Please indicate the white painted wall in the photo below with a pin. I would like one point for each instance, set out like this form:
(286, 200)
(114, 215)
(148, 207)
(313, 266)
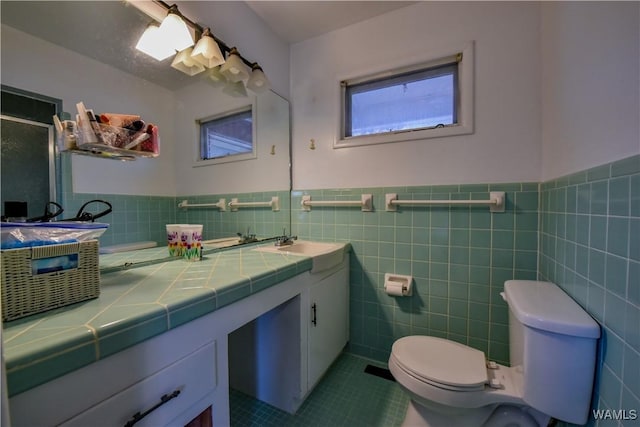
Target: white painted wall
(38, 66)
(590, 84)
(506, 143)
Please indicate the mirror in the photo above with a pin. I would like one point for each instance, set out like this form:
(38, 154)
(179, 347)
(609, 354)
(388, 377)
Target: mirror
(28, 152)
(84, 51)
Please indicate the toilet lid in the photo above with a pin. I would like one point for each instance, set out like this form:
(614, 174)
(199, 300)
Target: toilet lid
(441, 361)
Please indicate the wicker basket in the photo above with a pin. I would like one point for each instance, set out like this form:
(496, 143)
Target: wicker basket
(41, 278)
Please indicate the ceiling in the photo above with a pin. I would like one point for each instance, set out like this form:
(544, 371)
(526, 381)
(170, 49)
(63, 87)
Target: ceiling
(87, 27)
(295, 21)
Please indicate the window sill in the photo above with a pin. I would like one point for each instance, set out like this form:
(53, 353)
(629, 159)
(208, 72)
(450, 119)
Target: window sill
(357, 141)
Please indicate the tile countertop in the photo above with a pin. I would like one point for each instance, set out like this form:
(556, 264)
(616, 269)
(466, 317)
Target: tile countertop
(135, 305)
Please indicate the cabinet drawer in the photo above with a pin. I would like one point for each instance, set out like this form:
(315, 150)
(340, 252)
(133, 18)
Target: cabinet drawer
(193, 376)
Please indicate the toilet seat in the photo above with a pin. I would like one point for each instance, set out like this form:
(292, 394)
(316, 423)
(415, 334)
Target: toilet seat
(442, 363)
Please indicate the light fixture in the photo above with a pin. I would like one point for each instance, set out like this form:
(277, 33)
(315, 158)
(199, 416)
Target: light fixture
(184, 62)
(258, 82)
(174, 31)
(207, 52)
(175, 34)
(153, 45)
(215, 78)
(234, 69)
(235, 89)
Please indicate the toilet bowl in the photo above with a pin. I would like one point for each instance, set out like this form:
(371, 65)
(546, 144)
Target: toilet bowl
(552, 345)
(450, 385)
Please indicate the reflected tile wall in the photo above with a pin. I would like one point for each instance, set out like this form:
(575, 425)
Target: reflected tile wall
(459, 258)
(261, 221)
(143, 218)
(138, 218)
(133, 218)
(590, 246)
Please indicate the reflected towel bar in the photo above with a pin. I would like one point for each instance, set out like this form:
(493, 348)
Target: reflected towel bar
(365, 203)
(220, 204)
(496, 202)
(274, 204)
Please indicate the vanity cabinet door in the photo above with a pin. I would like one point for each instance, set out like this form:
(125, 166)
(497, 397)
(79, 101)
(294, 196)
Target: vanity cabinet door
(328, 321)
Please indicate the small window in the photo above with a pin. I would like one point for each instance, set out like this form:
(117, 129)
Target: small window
(228, 137)
(421, 101)
(416, 100)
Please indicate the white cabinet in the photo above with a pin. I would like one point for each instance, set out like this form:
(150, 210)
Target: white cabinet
(280, 340)
(110, 391)
(156, 400)
(328, 323)
(280, 356)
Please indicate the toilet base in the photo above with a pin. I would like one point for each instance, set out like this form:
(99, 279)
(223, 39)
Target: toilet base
(421, 416)
(488, 416)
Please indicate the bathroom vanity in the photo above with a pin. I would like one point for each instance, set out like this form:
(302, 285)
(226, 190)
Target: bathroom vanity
(164, 342)
(263, 359)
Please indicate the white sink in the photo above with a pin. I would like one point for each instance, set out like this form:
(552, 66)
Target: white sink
(324, 255)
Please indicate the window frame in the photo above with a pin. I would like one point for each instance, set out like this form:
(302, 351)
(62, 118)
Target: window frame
(463, 108)
(199, 161)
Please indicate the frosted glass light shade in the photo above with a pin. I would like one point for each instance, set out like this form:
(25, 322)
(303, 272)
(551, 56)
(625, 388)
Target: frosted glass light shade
(207, 52)
(215, 78)
(175, 32)
(236, 89)
(185, 63)
(153, 44)
(234, 69)
(258, 82)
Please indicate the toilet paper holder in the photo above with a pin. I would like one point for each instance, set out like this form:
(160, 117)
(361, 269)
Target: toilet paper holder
(398, 284)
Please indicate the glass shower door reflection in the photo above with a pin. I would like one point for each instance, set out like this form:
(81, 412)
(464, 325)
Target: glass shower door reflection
(27, 164)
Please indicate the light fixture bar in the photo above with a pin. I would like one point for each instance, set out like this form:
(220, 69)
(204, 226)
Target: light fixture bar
(199, 30)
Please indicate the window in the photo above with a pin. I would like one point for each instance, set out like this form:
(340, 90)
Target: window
(227, 137)
(415, 100)
(427, 100)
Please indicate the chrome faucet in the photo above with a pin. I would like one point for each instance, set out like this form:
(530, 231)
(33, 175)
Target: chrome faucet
(247, 238)
(285, 240)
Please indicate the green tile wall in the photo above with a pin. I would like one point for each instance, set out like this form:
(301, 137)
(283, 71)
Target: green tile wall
(142, 218)
(590, 246)
(459, 258)
(263, 221)
(133, 219)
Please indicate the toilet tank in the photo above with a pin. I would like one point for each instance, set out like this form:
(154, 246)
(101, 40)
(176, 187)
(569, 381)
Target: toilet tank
(553, 342)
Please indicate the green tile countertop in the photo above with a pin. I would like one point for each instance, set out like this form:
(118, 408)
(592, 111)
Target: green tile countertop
(134, 305)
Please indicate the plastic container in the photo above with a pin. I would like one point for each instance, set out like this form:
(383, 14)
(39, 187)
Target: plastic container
(185, 240)
(26, 234)
(191, 240)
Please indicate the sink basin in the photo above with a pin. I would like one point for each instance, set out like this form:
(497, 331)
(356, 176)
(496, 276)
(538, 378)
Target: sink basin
(324, 255)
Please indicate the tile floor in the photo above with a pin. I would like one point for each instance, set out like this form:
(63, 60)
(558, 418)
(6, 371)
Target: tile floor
(346, 396)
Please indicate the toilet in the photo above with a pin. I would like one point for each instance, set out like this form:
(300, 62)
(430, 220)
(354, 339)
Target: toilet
(552, 344)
